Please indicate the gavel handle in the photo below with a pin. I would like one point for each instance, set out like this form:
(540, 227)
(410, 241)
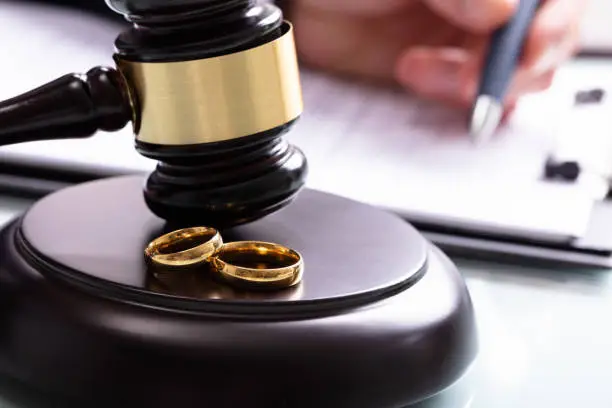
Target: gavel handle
(72, 106)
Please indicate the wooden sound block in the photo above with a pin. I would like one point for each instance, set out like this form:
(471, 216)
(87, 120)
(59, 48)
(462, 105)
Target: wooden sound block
(381, 319)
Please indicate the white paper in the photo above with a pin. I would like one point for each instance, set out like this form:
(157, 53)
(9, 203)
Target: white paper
(397, 152)
(379, 146)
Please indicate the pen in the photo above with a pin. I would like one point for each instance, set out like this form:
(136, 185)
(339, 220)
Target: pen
(503, 57)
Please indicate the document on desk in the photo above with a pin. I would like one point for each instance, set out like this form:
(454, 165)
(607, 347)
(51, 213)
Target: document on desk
(379, 146)
(398, 152)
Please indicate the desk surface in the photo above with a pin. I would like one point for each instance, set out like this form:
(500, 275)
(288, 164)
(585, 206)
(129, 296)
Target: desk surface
(545, 338)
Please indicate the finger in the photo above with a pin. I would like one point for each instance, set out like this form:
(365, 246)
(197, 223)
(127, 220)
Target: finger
(368, 8)
(443, 74)
(555, 34)
(475, 15)
(451, 76)
(527, 82)
(509, 110)
(356, 47)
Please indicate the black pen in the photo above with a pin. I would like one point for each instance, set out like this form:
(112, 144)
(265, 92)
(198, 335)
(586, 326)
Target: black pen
(504, 54)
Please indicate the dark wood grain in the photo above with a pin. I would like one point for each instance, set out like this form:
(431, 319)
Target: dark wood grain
(219, 184)
(225, 184)
(382, 318)
(320, 226)
(73, 106)
(192, 29)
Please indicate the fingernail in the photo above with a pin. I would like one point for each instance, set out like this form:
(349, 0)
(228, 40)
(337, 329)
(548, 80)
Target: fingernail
(431, 72)
(442, 78)
(489, 14)
(553, 55)
(469, 89)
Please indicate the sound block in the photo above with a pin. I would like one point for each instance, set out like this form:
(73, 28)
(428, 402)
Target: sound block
(381, 319)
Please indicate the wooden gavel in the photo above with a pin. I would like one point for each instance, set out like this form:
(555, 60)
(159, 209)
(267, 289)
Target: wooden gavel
(209, 86)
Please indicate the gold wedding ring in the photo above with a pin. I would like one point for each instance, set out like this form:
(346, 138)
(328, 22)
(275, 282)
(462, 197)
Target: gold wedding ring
(243, 264)
(258, 265)
(184, 248)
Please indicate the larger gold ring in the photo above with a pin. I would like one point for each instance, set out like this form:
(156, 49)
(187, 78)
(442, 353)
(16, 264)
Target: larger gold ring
(184, 248)
(258, 265)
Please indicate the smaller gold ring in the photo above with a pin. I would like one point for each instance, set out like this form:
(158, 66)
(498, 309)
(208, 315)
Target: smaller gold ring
(184, 248)
(258, 265)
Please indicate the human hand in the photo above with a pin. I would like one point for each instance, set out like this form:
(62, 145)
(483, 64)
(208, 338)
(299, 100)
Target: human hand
(434, 48)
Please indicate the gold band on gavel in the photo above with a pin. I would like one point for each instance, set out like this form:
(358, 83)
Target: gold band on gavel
(218, 98)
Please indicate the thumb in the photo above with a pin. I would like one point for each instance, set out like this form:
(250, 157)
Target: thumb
(474, 15)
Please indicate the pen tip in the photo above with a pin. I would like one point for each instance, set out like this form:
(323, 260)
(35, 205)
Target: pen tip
(486, 116)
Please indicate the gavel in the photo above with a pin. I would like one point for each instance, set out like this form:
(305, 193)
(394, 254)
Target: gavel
(210, 88)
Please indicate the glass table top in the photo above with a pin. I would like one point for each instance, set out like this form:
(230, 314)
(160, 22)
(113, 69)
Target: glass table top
(545, 338)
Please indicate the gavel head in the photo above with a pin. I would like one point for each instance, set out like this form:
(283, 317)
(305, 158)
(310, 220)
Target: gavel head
(213, 86)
